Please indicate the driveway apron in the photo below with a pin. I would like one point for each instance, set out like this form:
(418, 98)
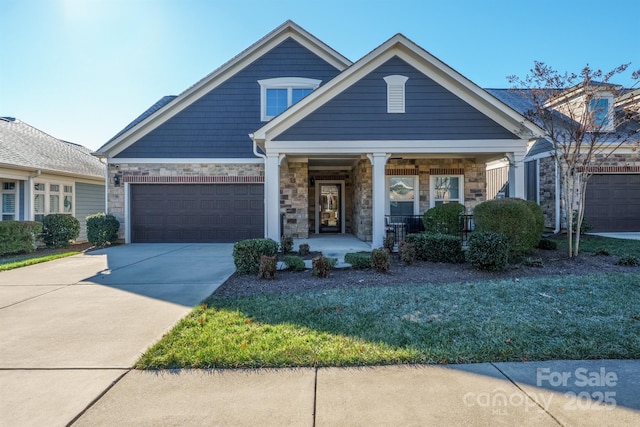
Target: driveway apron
(70, 328)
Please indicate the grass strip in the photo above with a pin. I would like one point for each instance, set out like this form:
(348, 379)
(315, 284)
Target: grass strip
(567, 317)
(10, 265)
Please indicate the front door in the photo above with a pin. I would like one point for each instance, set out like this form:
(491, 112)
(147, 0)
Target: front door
(330, 209)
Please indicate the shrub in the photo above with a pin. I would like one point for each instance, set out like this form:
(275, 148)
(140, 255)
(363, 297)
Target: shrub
(59, 229)
(268, 266)
(286, 245)
(321, 266)
(102, 229)
(407, 252)
(547, 245)
(488, 250)
(602, 252)
(443, 219)
(389, 242)
(628, 261)
(380, 260)
(513, 218)
(19, 236)
(532, 262)
(294, 263)
(247, 253)
(358, 260)
(437, 247)
(303, 249)
(538, 217)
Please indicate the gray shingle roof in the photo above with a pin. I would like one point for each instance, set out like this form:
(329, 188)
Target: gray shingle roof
(25, 146)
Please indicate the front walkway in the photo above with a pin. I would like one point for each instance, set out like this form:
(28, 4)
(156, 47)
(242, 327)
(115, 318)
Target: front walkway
(628, 236)
(334, 245)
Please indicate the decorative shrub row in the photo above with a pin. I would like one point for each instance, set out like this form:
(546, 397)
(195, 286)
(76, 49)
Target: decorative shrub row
(59, 229)
(19, 236)
(102, 229)
(519, 220)
(437, 247)
(487, 250)
(380, 260)
(294, 263)
(358, 260)
(247, 253)
(443, 219)
(407, 252)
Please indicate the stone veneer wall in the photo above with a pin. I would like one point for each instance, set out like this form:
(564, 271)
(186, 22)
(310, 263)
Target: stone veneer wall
(294, 195)
(177, 170)
(362, 200)
(548, 190)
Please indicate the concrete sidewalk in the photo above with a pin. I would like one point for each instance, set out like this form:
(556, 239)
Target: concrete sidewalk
(551, 393)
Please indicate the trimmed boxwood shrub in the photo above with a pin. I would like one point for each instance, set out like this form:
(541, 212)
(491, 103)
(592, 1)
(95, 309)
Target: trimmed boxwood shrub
(437, 247)
(515, 219)
(59, 229)
(547, 245)
(358, 260)
(102, 229)
(247, 253)
(19, 236)
(294, 263)
(268, 266)
(487, 250)
(443, 219)
(407, 252)
(321, 266)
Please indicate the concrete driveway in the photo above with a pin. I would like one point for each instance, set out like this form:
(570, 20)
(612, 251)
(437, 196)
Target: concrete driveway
(72, 327)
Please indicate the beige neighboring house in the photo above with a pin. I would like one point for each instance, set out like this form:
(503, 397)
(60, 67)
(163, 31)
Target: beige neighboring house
(40, 175)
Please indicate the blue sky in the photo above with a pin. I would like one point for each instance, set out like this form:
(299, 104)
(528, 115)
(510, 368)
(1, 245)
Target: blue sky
(81, 70)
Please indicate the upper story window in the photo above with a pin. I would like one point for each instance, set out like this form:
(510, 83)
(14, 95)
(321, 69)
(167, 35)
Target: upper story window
(395, 93)
(601, 112)
(276, 95)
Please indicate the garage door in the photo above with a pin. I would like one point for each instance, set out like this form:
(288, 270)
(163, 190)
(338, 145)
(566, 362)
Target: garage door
(196, 213)
(613, 202)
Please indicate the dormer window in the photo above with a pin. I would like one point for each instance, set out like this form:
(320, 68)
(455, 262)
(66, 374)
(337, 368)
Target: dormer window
(601, 111)
(276, 95)
(395, 93)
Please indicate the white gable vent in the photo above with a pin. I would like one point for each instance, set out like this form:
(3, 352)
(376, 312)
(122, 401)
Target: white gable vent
(395, 93)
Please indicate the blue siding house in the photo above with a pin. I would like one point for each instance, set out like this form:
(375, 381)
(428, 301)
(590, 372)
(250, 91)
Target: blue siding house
(290, 138)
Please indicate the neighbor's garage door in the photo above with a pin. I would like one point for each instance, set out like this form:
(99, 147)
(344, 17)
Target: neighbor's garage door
(613, 202)
(196, 213)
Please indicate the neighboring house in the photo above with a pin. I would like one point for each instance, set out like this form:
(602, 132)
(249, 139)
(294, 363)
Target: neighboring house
(40, 174)
(291, 138)
(612, 201)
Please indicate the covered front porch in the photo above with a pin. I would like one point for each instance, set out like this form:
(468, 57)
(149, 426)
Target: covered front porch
(320, 195)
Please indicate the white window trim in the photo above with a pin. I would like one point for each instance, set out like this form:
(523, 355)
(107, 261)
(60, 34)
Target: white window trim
(15, 214)
(47, 199)
(416, 193)
(396, 93)
(610, 117)
(288, 83)
(432, 189)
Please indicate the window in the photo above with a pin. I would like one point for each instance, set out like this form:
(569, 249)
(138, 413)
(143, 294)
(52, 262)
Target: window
(446, 189)
(403, 197)
(276, 95)
(8, 201)
(395, 93)
(49, 198)
(601, 115)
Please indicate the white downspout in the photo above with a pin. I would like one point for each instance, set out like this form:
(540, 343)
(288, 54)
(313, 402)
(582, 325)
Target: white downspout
(264, 162)
(557, 179)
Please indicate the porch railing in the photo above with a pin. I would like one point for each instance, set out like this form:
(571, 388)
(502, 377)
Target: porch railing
(401, 225)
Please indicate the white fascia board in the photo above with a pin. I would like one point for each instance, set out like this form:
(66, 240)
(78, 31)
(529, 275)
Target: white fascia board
(311, 148)
(222, 74)
(423, 61)
(25, 171)
(118, 160)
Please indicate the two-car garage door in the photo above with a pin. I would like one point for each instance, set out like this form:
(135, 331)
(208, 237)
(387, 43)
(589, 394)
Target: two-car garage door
(196, 213)
(613, 202)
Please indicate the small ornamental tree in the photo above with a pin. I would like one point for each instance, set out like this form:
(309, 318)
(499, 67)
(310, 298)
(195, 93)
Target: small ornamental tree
(575, 112)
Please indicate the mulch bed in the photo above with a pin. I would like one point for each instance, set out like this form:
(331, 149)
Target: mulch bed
(555, 263)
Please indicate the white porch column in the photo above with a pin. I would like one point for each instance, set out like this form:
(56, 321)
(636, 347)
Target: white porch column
(378, 161)
(272, 196)
(516, 175)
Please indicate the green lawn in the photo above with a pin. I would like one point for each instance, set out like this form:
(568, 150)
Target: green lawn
(25, 260)
(619, 247)
(568, 317)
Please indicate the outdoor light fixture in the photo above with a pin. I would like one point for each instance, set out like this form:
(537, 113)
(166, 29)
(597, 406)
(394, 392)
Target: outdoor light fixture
(116, 180)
